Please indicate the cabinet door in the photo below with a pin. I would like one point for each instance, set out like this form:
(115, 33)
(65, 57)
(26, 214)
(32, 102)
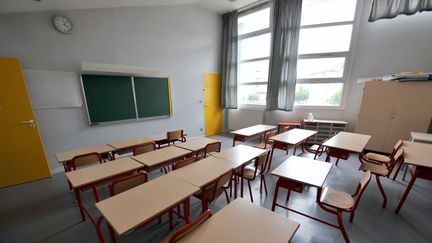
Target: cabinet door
(412, 112)
(374, 115)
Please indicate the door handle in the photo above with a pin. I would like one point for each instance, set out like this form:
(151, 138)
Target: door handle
(30, 122)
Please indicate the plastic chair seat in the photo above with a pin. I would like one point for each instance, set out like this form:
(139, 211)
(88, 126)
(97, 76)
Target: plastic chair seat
(314, 147)
(378, 157)
(307, 155)
(262, 145)
(336, 199)
(249, 172)
(374, 168)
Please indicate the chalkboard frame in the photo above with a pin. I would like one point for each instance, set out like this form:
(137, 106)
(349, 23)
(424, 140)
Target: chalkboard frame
(137, 118)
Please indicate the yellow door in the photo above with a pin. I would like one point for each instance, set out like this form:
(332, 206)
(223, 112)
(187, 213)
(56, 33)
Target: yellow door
(212, 103)
(22, 157)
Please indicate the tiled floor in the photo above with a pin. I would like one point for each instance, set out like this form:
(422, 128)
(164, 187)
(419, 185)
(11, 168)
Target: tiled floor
(45, 211)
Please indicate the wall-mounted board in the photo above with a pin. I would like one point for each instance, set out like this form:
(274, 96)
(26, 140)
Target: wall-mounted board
(112, 98)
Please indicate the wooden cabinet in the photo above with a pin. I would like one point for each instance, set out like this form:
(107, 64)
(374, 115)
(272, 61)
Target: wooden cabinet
(324, 128)
(391, 110)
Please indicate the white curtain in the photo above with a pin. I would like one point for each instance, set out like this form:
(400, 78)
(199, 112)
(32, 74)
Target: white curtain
(387, 9)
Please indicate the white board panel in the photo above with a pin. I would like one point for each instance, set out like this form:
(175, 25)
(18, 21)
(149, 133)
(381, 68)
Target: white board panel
(53, 89)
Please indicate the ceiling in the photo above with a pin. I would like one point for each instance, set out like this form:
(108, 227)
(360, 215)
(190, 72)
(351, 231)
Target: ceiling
(17, 6)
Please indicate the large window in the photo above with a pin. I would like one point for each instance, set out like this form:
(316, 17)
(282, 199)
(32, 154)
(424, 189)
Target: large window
(253, 56)
(324, 48)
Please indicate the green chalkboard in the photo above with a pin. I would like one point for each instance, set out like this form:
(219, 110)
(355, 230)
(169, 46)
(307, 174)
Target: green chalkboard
(108, 98)
(152, 96)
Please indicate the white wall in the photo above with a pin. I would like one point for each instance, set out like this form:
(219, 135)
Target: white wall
(181, 42)
(382, 47)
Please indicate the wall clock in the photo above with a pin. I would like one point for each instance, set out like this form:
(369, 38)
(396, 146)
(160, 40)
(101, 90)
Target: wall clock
(63, 24)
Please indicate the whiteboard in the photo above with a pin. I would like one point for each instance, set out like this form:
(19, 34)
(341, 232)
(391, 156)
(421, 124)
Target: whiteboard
(53, 89)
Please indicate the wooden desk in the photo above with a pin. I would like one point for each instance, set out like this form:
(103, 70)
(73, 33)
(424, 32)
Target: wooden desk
(130, 143)
(294, 173)
(419, 155)
(196, 145)
(242, 221)
(242, 134)
(288, 139)
(96, 174)
(160, 157)
(421, 137)
(342, 144)
(67, 156)
(203, 173)
(143, 203)
(291, 125)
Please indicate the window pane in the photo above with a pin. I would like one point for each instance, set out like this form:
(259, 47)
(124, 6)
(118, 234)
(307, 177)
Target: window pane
(320, 68)
(325, 94)
(254, 47)
(327, 11)
(252, 94)
(325, 39)
(254, 21)
(254, 71)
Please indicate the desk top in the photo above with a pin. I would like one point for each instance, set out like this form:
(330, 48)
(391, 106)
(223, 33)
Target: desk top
(242, 221)
(94, 173)
(240, 154)
(419, 154)
(64, 157)
(160, 156)
(196, 144)
(304, 170)
(127, 143)
(140, 204)
(203, 171)
(293, 136)
(352, 142)
(421, 137)
(253, 130)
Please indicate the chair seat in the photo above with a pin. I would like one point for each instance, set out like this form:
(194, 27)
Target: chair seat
(263, 145)
(248, 172)
(336, 199)
(374, 168)
(314, 147)
(378, 157)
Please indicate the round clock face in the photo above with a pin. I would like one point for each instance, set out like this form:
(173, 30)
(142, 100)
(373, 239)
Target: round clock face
(63, 24)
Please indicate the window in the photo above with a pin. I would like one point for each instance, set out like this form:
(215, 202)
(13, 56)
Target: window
(324, 48)
(253, 56)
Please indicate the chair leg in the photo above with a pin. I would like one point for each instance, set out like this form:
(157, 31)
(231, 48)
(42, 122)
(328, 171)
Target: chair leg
(170, 219)
(276, 192)
(264, 182)
(227, 198)
(250, 190)
(398, 169)
(341, 226)
(337, 161)
(381, 190)
(352, 216)
(241, 189)
(295, 148)
(288, 195)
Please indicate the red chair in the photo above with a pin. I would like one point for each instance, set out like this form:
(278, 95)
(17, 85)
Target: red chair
(337, 202)
(383, 170)
(183, 231)
(184, 162)
(211, 148)
(267, 141)
(249, 173)
(84, 160)
(212, 191)
(174, 136)
(144, 148)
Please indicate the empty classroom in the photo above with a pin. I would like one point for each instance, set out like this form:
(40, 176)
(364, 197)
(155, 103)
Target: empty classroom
(230, 121)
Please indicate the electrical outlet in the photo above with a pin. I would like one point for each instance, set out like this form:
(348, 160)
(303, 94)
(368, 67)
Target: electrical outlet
(201, 129)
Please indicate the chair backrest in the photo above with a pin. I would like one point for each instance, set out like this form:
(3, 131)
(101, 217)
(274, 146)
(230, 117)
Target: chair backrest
(219, 183)
(190, 227)
(271, 134)
(174, 135)
(144, 148)
(364, 181)
(212, 147)
(127, 182)
(396, 147)
(398, 155)
(261, 160)
(285, 128)
(184, 162)
(85, 159)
